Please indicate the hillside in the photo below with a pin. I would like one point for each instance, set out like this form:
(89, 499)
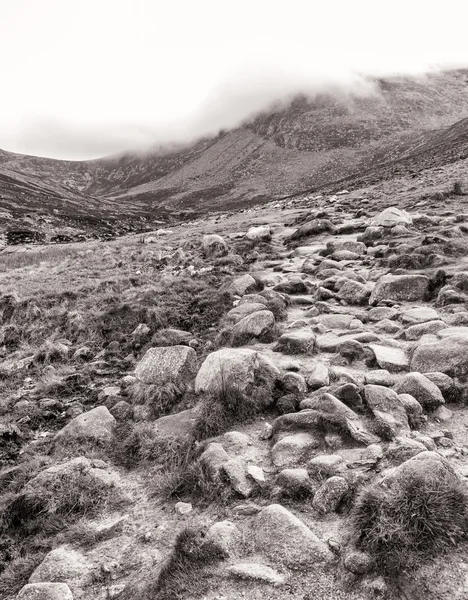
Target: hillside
(401, 125)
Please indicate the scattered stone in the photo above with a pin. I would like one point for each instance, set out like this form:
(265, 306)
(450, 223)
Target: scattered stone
(225, 537)
(359, 562)
(242, 285)
(398, 288)
(214, 245)
(242, 310)
(97, 424)
(301, 341)
(294, 383)
(329, 495)
(45, 591)
(62, 565)
(390, 358)
(388, 410)
(294, 482)
(170, 364)
(293, 450)
(256, 572)
(237, 367)
(183, 508)
(421, 388)
(261, 233)
(326, 465)
(257, 324)
(380, 377)
(449, 356)
(281, 536)
(354, 292)
(390, 217)
(316, 375)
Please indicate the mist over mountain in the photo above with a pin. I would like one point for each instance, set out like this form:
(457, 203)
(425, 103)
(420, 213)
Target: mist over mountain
(370, 127)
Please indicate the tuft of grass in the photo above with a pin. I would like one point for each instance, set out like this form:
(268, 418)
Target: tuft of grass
(159, 399)
(406, 523)
(218, 412)
(183, 572)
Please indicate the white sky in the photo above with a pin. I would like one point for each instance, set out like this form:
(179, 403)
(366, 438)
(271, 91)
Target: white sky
(85, 78)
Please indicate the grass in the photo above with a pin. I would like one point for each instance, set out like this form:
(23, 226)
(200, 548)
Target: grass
(182, 573)
(408, 522)
(34, 514)
(160, 399)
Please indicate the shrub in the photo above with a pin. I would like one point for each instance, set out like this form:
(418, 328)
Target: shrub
(159, 399)
(420, 514)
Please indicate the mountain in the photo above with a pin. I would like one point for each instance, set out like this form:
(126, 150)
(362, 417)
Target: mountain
(399, 125)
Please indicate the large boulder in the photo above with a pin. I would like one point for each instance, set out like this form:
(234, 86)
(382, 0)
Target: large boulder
(388, 410)
(390, 217)
(45, 591)
(214, 245)
(299, 341)
(448, 355)
(353, 292)
(262, 233)
(400, 288)
(63, 564)
(421, 388)
(243, 310)
(242, 285)
(255, 325)
(285, 539)
(175, 364)
(329, 495)
(96, 425)
(390, 358)
(241, 368)
(294, 450)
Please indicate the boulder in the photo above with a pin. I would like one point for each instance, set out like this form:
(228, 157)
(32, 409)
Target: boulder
(256, 572)
(63, 564)
(421, 388)
(390, 358)
(259, 234)
(294, 450)
(45, 591)
(419, 314)
(225, 537)
(316, 374)
(96, 424)
(353, 292)
(284, 538)
(170, 364)
(326, 465)
(257, 324)
(294, 482)
(178, 426)
(449, 356)
(214, 245)
(400, 288)
(243, 310)
(240, 368)
(242, 285)
(301, 341)
(329, 495)
(429, 327)
(390, 217)
(389, 412)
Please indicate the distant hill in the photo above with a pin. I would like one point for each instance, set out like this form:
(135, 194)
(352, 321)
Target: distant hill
(406, 124)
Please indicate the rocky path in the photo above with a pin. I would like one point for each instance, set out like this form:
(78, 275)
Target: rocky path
(363, 328)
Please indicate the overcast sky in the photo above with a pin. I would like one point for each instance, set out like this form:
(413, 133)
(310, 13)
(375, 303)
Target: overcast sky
(86, 78)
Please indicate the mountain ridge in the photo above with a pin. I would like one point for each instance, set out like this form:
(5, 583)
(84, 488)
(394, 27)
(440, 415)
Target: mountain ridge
(308, 144)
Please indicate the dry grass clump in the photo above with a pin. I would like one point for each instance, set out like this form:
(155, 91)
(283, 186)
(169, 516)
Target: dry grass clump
(33, 515)
(182, 574)
(159, 399)
(403, 524)
(218, 412)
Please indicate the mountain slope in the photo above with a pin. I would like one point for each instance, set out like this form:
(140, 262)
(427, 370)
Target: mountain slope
(401, 124)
